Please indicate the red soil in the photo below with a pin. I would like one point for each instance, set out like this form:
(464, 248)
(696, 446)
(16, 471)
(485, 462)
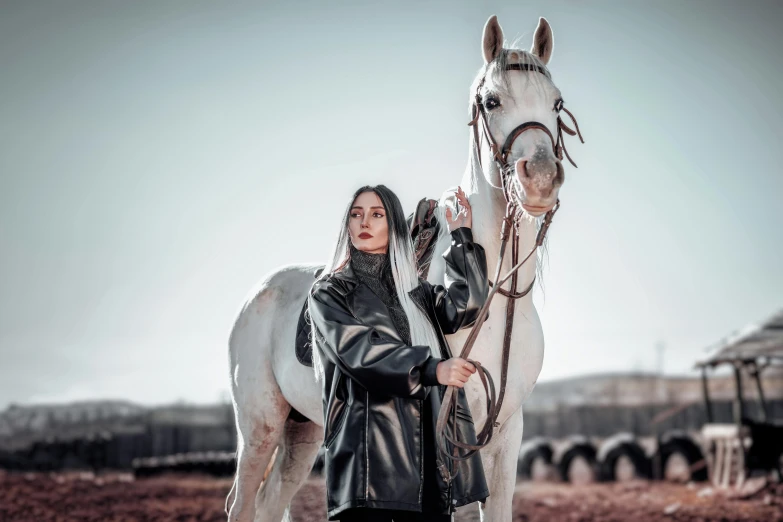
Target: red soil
(83, 497)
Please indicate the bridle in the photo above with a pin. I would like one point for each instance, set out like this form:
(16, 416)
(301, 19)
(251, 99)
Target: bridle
(511, 220)
(501, 155)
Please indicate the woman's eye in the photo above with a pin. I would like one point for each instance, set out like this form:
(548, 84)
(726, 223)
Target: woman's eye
(491, 103)
(378, 214)
(355, 215)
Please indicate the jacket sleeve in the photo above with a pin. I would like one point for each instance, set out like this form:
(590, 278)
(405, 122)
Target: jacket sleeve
(457, 304)
(385, 367)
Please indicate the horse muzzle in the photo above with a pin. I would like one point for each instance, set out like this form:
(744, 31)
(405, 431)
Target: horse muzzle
(540, 178)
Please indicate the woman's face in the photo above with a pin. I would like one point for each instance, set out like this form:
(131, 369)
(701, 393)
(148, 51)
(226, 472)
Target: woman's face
(367, 224)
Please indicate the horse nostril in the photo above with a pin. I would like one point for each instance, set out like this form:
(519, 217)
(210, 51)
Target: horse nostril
(559, 175)
(521, 167)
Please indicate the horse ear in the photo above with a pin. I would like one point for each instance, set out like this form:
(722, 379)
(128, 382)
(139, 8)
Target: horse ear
(543, 41)
(493, 39)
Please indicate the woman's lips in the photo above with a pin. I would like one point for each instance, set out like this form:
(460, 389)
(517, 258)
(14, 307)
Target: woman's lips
(365, 235)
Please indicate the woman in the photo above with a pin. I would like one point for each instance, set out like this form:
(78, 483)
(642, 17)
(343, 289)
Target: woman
(379, 348)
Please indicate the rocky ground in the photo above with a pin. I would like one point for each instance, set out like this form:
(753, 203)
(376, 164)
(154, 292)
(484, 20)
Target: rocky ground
(85, 497)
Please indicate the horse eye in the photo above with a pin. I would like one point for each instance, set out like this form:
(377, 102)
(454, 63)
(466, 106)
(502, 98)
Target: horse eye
(558, 105)
(491, 103)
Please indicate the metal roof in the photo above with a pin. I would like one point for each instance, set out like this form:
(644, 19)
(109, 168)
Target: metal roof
(755, 341)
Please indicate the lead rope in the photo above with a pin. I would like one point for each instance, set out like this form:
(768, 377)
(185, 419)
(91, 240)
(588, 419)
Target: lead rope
(449, 401)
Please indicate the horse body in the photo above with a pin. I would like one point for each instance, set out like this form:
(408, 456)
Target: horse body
(267, 379)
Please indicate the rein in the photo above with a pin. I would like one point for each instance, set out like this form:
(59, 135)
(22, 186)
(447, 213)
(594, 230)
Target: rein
(511, 220)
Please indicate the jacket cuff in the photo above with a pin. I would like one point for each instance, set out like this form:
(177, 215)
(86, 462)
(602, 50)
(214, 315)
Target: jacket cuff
(429, 376)
(462, 235)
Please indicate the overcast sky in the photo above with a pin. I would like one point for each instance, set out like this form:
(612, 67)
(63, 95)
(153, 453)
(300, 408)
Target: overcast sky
(157, 159)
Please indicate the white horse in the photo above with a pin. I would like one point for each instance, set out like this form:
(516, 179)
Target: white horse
(267, 380)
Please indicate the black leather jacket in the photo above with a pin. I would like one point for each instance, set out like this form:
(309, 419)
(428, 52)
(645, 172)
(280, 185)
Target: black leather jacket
(375, 384)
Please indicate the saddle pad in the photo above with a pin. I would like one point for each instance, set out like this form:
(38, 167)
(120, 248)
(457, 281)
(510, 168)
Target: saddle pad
(423, 227)
(304, 350)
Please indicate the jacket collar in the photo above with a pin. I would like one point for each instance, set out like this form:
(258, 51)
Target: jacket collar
(375, 312)
(349, 274)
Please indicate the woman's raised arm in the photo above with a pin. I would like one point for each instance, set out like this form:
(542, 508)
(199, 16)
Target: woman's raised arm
(466, 285)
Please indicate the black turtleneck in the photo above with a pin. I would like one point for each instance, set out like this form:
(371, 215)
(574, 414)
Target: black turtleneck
(374, 270)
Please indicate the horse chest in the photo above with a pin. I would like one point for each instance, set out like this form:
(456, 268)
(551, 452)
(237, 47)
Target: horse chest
(526, 356)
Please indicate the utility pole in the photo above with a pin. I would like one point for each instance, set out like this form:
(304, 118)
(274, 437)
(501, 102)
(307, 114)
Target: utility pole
(660, 348)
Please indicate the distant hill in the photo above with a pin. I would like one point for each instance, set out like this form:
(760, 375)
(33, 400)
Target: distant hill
(630, 389)
(50, 417)
(20, 425)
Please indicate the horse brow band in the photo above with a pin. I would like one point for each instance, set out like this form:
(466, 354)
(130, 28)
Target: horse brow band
(527, 67)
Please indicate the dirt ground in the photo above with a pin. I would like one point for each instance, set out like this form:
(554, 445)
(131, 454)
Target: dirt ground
(85, 497)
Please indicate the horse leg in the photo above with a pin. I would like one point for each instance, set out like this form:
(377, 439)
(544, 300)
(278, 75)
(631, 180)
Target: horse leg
(233, 492)
(295, 458)
(257, 440)
(500, 465)
(260, 410)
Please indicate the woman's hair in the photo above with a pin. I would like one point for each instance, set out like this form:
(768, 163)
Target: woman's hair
(402, 261)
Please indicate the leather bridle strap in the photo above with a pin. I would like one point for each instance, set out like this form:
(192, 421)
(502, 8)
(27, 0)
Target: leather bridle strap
(528, 125)
(508, 293)
(527, 67)
(449, 402)
(563, 127)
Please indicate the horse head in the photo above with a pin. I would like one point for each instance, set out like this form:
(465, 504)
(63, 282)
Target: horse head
(516, 116)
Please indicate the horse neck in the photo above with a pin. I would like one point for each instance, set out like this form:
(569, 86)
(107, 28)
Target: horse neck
(489, 209)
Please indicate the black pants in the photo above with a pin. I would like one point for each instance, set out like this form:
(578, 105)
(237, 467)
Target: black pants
(389, 515)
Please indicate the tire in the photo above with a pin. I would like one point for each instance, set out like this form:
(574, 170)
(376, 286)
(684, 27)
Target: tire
(630, 449)
(581, 450)
(689, 451)
(529, 453)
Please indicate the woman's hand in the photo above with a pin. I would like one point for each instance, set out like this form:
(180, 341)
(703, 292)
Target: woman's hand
(454, 372)
(463, 217)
